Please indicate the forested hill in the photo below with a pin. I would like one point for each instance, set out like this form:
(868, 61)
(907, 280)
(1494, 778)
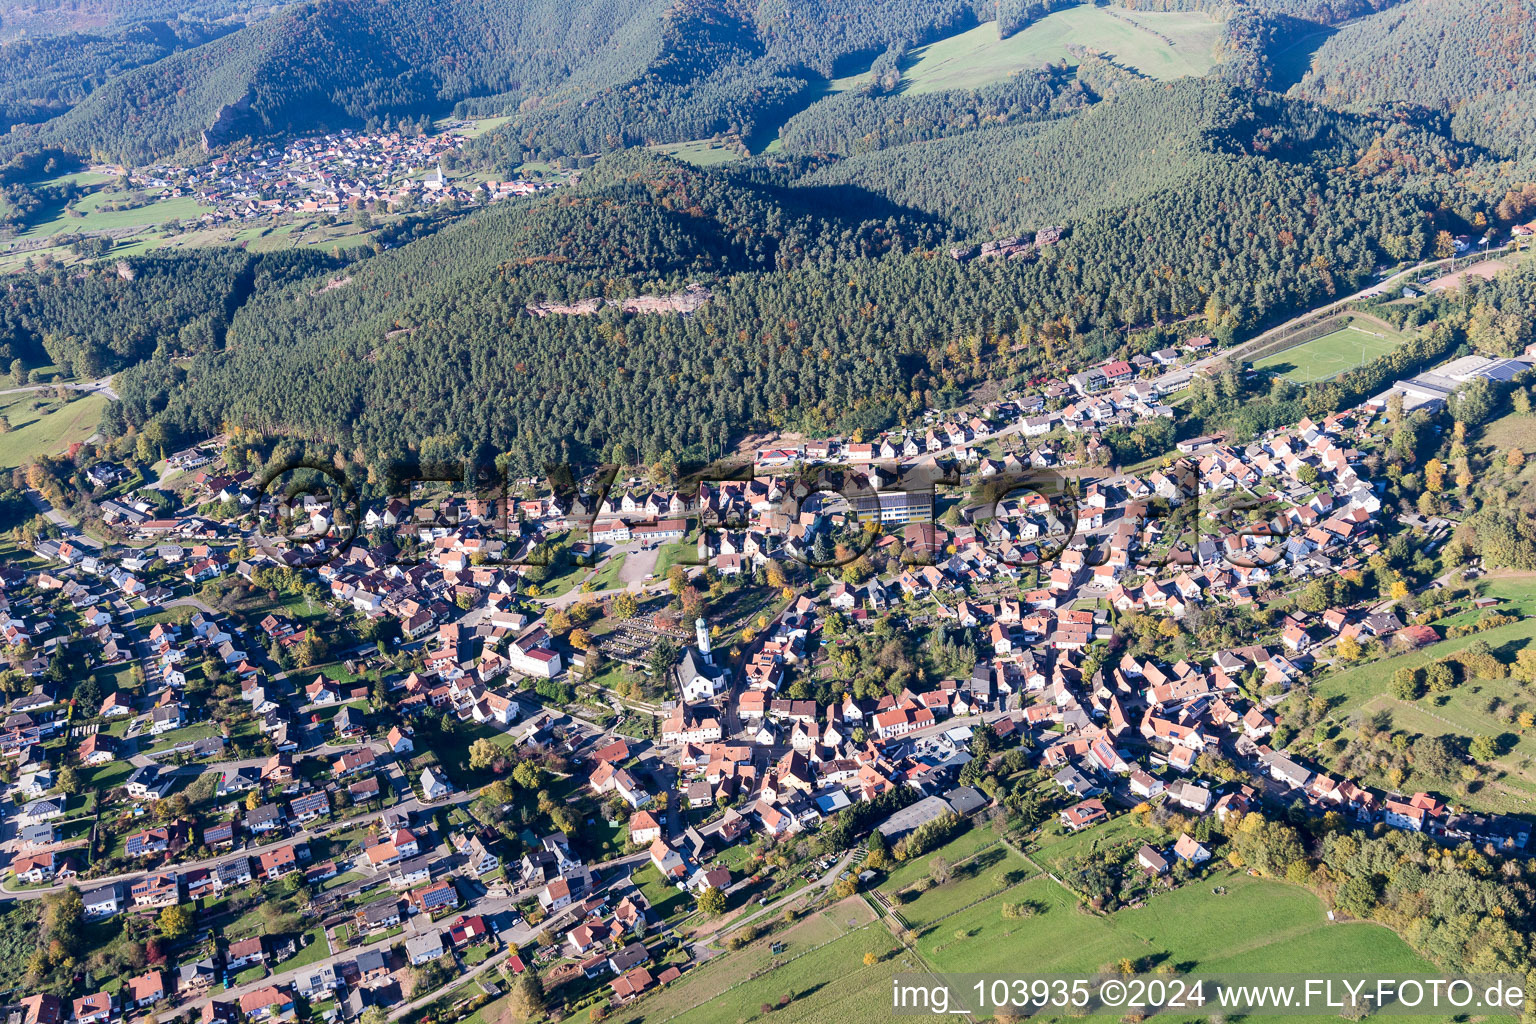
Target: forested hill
(43, 78)
(1152, 138)
(435, 338)
(1475, 58)
(96, 320)
(580, 75)
(1255, 30)
(37, 19)
(637, 222)
(830, 309)
(334, 62)
(1026, 177)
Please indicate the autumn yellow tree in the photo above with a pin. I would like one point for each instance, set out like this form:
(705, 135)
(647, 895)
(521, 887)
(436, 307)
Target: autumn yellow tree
(1348, 650)
(1434, 475)
(623, 606)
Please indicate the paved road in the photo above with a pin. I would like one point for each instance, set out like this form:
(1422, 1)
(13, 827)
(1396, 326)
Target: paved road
(53, 515)
(102, 386)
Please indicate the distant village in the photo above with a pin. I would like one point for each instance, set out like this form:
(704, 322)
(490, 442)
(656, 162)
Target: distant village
(329, 174)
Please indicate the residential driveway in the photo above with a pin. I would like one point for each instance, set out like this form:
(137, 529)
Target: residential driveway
(58, 518)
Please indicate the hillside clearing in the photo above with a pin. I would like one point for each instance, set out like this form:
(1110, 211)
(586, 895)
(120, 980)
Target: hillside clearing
(1162, 45)
(48, 429)
(700, 152)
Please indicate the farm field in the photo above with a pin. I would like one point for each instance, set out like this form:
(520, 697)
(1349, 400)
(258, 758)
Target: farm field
(977, 57)
(822, 957)
(1230, 922)
(93, 218)
(1251, 925)
(1485, 270)
(1327, 357)
(46, 430)
(993, 871)
(1255, 925)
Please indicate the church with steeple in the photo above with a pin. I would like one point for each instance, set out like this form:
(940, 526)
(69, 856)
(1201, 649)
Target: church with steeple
(697, 675)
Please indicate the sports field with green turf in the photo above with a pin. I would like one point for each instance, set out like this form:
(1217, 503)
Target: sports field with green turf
(1327, 357)
(1162, 45)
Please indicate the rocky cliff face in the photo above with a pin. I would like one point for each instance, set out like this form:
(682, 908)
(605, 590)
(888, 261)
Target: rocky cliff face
(228, 124)
(685, 301)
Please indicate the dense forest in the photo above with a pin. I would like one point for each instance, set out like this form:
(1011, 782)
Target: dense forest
(864, 121)
(120, 313)
(833, 307)
(35, 19)
(582, 78)
(1193, 135)
(1476, 58)
(42, 78)
(608, 74)
(335, 62)
(1196, 204)
(575, 79)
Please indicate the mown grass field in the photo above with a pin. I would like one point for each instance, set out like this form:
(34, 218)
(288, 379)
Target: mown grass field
(1327, 357)
(1059, 849)
(469, 128)
(977, 57)
(993, 871)
(1255, 926)
(1352, 688)
(48, 429)
(1511, 431)
(958, 849)
(89, 216)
